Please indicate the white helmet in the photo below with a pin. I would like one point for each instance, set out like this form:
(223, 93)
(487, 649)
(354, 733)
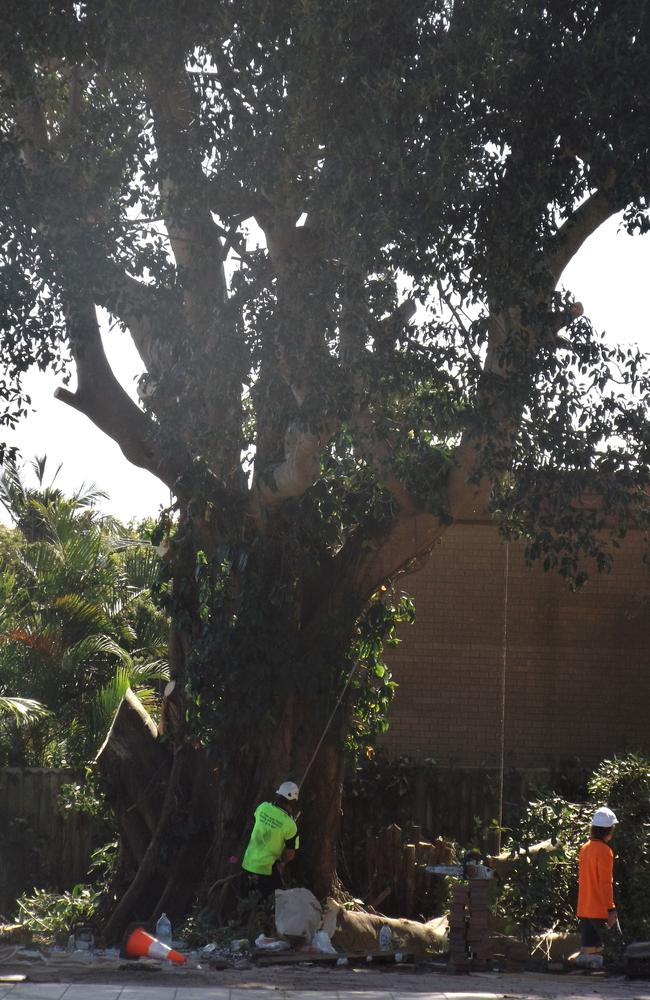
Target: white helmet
(288, 790)
(604, 817)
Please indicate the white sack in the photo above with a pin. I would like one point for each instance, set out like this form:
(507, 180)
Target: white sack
(297, 913)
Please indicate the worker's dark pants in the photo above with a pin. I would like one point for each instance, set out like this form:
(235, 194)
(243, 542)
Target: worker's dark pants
(592, 932)
(264, 885)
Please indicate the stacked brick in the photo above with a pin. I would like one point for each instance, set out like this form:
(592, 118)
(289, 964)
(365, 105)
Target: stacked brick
(459, 913)
(479, 944)
(470, 928)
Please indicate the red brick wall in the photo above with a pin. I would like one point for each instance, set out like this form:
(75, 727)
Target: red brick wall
(577, 665)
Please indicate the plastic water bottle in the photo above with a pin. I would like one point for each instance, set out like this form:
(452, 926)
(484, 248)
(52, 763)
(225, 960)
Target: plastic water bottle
(164, 929)
(385, 938)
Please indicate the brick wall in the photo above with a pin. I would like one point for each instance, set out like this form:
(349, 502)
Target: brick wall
(577, 666)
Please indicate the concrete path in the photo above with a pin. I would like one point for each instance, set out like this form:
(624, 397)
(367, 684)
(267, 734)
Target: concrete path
(488, 986)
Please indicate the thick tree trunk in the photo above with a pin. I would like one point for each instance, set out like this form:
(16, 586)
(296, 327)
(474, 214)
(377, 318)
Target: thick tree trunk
(161, 801)
(322, 795)
(183, 815)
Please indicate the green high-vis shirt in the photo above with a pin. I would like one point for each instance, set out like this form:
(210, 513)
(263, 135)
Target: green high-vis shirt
(273, 828)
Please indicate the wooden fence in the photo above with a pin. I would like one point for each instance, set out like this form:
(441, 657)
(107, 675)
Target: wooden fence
(397, 880)
(40, 843)
(458, 804)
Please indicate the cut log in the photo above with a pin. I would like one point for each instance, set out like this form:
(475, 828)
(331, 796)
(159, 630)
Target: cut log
(505, 863)
(355, 931)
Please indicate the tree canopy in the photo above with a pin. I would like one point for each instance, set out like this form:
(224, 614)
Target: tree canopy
(317, 429)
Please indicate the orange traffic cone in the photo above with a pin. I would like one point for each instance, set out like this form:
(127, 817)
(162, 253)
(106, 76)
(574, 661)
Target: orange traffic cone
(140, 944)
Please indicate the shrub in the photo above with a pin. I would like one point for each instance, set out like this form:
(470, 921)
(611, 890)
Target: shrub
(541, 894)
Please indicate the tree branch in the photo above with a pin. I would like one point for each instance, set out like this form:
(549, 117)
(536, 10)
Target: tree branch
(186, 194)
(578, 227)
(101, 398)
(30, 121)
(296, 473)
(379, 453)
(372, 557)
(142, 309)
(210, 341)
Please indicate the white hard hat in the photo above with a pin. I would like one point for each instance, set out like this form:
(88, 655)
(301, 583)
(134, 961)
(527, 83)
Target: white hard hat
(604, 817)
(288, 790)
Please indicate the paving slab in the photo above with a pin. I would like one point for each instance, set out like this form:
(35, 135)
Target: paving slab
(38, 991)
(345, 984)
(419, 996)
(79, 991)
(202, 993)
(145, 993)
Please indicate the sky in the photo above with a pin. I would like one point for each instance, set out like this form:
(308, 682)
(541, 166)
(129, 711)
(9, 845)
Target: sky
(610, 276)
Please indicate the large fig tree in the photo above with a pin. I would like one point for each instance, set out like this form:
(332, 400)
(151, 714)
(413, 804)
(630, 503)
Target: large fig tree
(261, 192)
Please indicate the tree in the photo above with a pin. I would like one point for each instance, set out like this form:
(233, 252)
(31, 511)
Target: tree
(317, 442)
(77, 623)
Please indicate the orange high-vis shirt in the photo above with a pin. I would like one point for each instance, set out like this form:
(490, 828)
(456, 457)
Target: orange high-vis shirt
(596, 880)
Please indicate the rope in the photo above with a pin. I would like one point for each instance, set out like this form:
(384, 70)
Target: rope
(504, 664)
(328, 723)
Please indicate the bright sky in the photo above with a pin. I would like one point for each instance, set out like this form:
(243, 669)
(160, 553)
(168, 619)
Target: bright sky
(610, 276)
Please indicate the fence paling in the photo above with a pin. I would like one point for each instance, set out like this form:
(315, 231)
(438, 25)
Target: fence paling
(40, 846)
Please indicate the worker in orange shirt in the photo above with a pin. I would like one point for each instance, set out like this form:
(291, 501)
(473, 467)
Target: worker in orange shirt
(596, 909)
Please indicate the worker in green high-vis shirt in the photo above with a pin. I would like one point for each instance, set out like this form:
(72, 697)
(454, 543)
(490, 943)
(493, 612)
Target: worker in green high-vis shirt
(273, 842)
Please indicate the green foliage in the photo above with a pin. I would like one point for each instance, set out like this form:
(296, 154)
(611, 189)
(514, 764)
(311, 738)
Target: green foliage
(46, 913)
(253, 916)
(373, 687)
(428, 160)
(77, 625)
(386, 782)
(84, 797)
(542, 893)
(52, 914)
(305, 418)
(624, 784)
(22, 710)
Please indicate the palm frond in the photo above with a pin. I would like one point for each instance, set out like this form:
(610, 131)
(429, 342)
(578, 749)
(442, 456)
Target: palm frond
(96, 645)
(107, 701)
(142, 566)
(42, 560)
(42, 641)
(81, 611)
(38, 464)
(88, 495)
(120, 602)
(150, 670)
(12, 490)
(23, 710)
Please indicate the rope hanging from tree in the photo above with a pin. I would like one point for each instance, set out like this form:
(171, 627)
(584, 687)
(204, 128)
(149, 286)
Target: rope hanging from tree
(502, 702)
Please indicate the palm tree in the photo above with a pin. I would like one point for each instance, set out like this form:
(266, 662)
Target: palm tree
(77, 624)
(22, 709)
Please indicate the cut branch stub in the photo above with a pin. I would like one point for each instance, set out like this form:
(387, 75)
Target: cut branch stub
(136, 767)
(300, 468)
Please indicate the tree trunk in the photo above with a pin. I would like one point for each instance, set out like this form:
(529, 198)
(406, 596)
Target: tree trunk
(184, 814)
(161, 800)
